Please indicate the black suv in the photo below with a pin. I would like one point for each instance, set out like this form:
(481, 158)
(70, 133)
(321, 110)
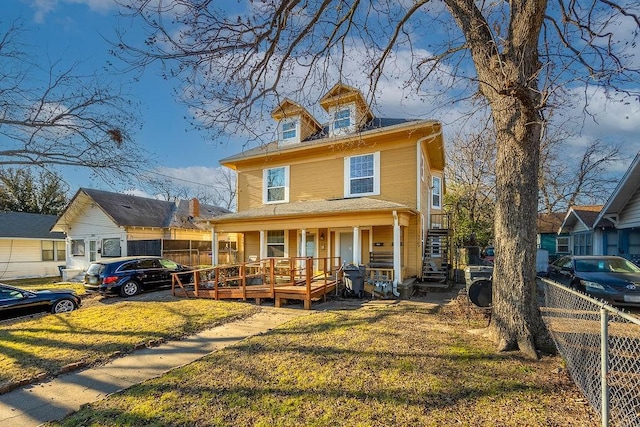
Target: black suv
(128, 276)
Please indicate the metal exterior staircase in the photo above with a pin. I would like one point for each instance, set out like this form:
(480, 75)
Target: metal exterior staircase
(436, 265)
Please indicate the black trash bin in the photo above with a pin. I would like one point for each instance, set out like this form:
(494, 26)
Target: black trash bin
(60, 268)
(353, 280)
(479, 292)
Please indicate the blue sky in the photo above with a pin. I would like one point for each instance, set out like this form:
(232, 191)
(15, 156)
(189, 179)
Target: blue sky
(74, 30)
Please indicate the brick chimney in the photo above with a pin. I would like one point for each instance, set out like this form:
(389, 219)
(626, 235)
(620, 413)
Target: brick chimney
(194, 208)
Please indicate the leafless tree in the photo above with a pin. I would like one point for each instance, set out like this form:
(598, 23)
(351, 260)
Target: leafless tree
(225, 189)
(570, 177)
(514, 56)
(54, 116)
(470, 176)
(219, 190)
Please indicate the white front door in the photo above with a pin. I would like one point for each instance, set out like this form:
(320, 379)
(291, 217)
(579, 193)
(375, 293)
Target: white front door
(346, 247)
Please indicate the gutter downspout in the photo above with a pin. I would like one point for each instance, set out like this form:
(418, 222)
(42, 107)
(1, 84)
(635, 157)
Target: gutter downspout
(396, 254)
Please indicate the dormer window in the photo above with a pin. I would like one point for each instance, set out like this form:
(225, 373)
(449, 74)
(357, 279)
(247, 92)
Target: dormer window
(343, 120)
(289, 131)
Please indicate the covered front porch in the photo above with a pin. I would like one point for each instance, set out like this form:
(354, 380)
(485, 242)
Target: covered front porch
(381, 235)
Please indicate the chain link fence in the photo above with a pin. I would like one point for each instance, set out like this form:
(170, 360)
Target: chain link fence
(601, 347)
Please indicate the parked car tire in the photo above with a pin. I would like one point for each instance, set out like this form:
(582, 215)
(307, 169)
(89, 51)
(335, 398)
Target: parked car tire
(129, 289)
(63, 306)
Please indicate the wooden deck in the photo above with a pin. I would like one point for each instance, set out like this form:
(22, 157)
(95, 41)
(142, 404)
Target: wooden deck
(280, 279)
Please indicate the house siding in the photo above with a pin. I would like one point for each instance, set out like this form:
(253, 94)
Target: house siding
(20, 258)
(630, 216)
(94, 224)
(398, 170)
(322, 177)
(251, 245)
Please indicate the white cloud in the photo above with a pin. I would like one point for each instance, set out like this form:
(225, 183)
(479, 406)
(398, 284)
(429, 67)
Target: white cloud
(43, 7)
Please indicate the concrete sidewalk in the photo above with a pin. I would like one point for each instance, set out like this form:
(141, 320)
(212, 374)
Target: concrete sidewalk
(38, 403)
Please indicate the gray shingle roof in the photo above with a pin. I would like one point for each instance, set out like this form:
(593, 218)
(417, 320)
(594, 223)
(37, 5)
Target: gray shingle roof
(28, 226)
(135, 211)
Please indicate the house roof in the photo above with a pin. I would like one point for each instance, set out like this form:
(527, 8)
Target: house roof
(28, 226)
(623, 192)
(134, 211)
(586, 215)
(549, 223)
(315, 207)
(322, 137)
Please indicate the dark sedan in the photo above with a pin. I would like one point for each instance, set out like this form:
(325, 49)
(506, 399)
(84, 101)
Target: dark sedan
(20, 302)
(610, 278)
(128, 276)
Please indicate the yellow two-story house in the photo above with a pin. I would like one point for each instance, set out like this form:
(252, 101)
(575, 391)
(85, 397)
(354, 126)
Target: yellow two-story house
(362, 188)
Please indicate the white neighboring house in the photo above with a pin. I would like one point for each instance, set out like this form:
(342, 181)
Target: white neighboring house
(101, 224)
(27, 246)
(586, 230)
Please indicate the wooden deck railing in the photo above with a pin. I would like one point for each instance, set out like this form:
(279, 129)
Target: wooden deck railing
(300, 278)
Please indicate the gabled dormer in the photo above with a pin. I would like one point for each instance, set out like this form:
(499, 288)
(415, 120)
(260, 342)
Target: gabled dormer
(295, 123)
(347, 108)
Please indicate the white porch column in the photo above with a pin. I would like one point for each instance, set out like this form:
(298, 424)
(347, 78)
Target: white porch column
(303, 242)
(263, 245)
(396, 250)
(357, 251)
(214, 247)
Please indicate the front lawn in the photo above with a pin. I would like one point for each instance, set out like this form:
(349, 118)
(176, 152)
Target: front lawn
(99, 331)
(383, 365)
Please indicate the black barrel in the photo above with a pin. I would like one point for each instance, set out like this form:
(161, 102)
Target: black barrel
(479, 292)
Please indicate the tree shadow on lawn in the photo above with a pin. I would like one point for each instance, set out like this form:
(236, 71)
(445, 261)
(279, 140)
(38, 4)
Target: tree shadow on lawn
(264, 400)
(50, 349)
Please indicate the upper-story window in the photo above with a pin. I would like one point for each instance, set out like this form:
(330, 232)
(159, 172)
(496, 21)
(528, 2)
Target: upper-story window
(276, 185)
(362, 175)
(436, 192)
(289, 131)
(342, 118)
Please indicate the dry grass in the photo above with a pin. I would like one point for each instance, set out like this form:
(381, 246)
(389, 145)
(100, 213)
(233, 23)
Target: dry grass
(101, 330)
(382, 365)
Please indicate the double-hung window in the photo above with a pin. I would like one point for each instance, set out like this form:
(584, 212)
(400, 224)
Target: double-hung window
(342, 118)
(289, 131)
(562, 245)
(276, 185)
(436, 192)
(275, 243)
(53, 250)
(362, 175)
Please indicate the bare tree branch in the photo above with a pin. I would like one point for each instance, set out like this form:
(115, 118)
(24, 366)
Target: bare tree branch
(63, 119)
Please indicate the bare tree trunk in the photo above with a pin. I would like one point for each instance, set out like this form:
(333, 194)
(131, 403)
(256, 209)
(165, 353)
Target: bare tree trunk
(516, 322)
